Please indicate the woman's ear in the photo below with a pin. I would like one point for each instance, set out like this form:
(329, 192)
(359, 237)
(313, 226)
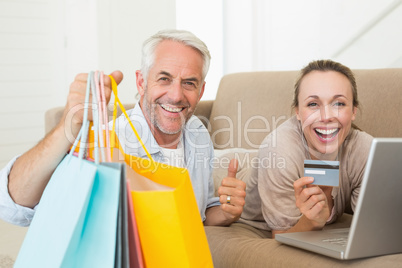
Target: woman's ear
(354, 113)
(297, 113)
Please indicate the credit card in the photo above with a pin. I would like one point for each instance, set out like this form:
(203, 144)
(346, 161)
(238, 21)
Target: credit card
(324, 172)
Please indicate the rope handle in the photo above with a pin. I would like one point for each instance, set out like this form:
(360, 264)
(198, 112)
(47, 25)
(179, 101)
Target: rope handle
(95, 86)
(117, 101)
(83, 134)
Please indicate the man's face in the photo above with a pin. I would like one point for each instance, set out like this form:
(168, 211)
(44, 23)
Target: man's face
(173, 89)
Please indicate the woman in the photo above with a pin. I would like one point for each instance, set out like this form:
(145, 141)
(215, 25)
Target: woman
(279, 198)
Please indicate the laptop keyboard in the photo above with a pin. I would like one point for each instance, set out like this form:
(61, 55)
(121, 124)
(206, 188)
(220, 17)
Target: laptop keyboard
(342, 241)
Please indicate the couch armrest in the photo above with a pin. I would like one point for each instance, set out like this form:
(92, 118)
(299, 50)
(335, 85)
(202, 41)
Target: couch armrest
(203, 111)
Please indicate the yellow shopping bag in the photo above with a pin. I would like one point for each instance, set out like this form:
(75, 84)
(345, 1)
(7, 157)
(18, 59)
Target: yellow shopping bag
(169, 224)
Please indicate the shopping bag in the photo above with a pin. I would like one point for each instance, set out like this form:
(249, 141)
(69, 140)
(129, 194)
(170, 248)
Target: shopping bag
(135, 250)
(64, 231)
(76, 220)
(128, 251)
(169, 224)
(122, 236)
(97, 244)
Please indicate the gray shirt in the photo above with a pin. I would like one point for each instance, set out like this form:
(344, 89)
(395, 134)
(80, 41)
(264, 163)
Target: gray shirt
(270, 201)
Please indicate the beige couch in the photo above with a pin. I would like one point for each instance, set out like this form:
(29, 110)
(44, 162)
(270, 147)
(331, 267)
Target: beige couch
(248, 106)
(251, 105)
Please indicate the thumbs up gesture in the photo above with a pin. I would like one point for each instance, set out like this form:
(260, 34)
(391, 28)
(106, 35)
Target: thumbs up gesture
(232, 193)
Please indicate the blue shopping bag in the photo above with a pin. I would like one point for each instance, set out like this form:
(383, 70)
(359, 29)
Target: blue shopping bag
(76, 220)
(97, 243)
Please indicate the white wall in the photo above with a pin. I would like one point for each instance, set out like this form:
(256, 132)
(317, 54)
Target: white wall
(287, 34)
(204, 19)
(378, 44)
(29, 44)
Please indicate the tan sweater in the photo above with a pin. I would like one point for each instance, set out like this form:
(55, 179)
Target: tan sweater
(270, 200)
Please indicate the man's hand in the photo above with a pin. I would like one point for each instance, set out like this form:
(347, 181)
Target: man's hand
(232, 193)
(74, 111)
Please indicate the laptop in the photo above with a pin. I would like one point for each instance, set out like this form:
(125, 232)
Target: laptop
(376, 224)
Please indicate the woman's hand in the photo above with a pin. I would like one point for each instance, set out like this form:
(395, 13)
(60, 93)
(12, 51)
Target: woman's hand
(312, 202)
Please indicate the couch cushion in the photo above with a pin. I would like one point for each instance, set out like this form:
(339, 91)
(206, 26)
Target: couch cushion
(221, 163)
(248, 106)
(380, 96)
(241, 245)
(6, 261)
(11, 239)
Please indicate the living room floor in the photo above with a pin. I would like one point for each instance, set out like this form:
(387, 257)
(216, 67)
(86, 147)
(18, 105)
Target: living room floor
(11, 238)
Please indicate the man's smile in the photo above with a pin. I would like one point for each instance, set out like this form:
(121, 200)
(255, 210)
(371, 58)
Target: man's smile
(171, 109)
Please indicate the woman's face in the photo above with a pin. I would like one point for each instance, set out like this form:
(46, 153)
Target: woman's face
(325, 111)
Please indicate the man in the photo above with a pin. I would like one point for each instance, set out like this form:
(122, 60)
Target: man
(170, 83)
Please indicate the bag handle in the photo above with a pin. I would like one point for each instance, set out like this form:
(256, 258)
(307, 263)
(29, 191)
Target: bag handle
(95, 117)
(99, 116)
(102, 115)
(83, 134)
(117, 101)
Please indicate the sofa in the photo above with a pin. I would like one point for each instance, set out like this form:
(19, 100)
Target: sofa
(248, 106)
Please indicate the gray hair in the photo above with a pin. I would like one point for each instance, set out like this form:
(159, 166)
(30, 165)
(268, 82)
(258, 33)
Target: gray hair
(185, 37)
